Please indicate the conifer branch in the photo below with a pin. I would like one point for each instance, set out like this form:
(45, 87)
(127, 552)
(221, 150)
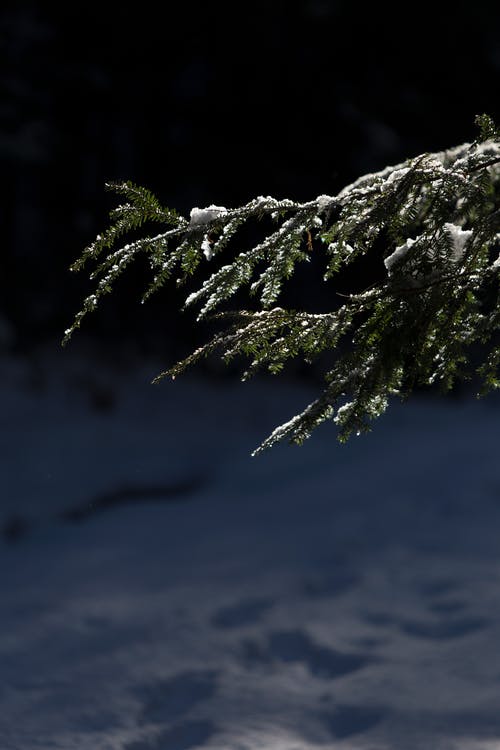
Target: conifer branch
(436, 219)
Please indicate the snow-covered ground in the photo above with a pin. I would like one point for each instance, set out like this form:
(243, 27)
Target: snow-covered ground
(162, 590)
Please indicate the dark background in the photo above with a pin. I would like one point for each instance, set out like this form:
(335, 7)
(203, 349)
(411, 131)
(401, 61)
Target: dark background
(207, 103)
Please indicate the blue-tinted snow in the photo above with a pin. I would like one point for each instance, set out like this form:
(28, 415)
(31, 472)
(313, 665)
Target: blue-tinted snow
(162, 590)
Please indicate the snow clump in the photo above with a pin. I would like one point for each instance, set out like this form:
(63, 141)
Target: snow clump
(200, 216)
(459, 237)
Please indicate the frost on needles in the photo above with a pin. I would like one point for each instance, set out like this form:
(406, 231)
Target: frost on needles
(437, 220)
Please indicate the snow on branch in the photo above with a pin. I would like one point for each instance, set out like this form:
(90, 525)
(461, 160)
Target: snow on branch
(435, 220)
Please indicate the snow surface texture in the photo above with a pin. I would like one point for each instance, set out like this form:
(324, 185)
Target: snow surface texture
(161, 590)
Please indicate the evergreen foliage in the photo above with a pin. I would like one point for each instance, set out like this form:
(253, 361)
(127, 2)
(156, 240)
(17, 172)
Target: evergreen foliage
(436, 218)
